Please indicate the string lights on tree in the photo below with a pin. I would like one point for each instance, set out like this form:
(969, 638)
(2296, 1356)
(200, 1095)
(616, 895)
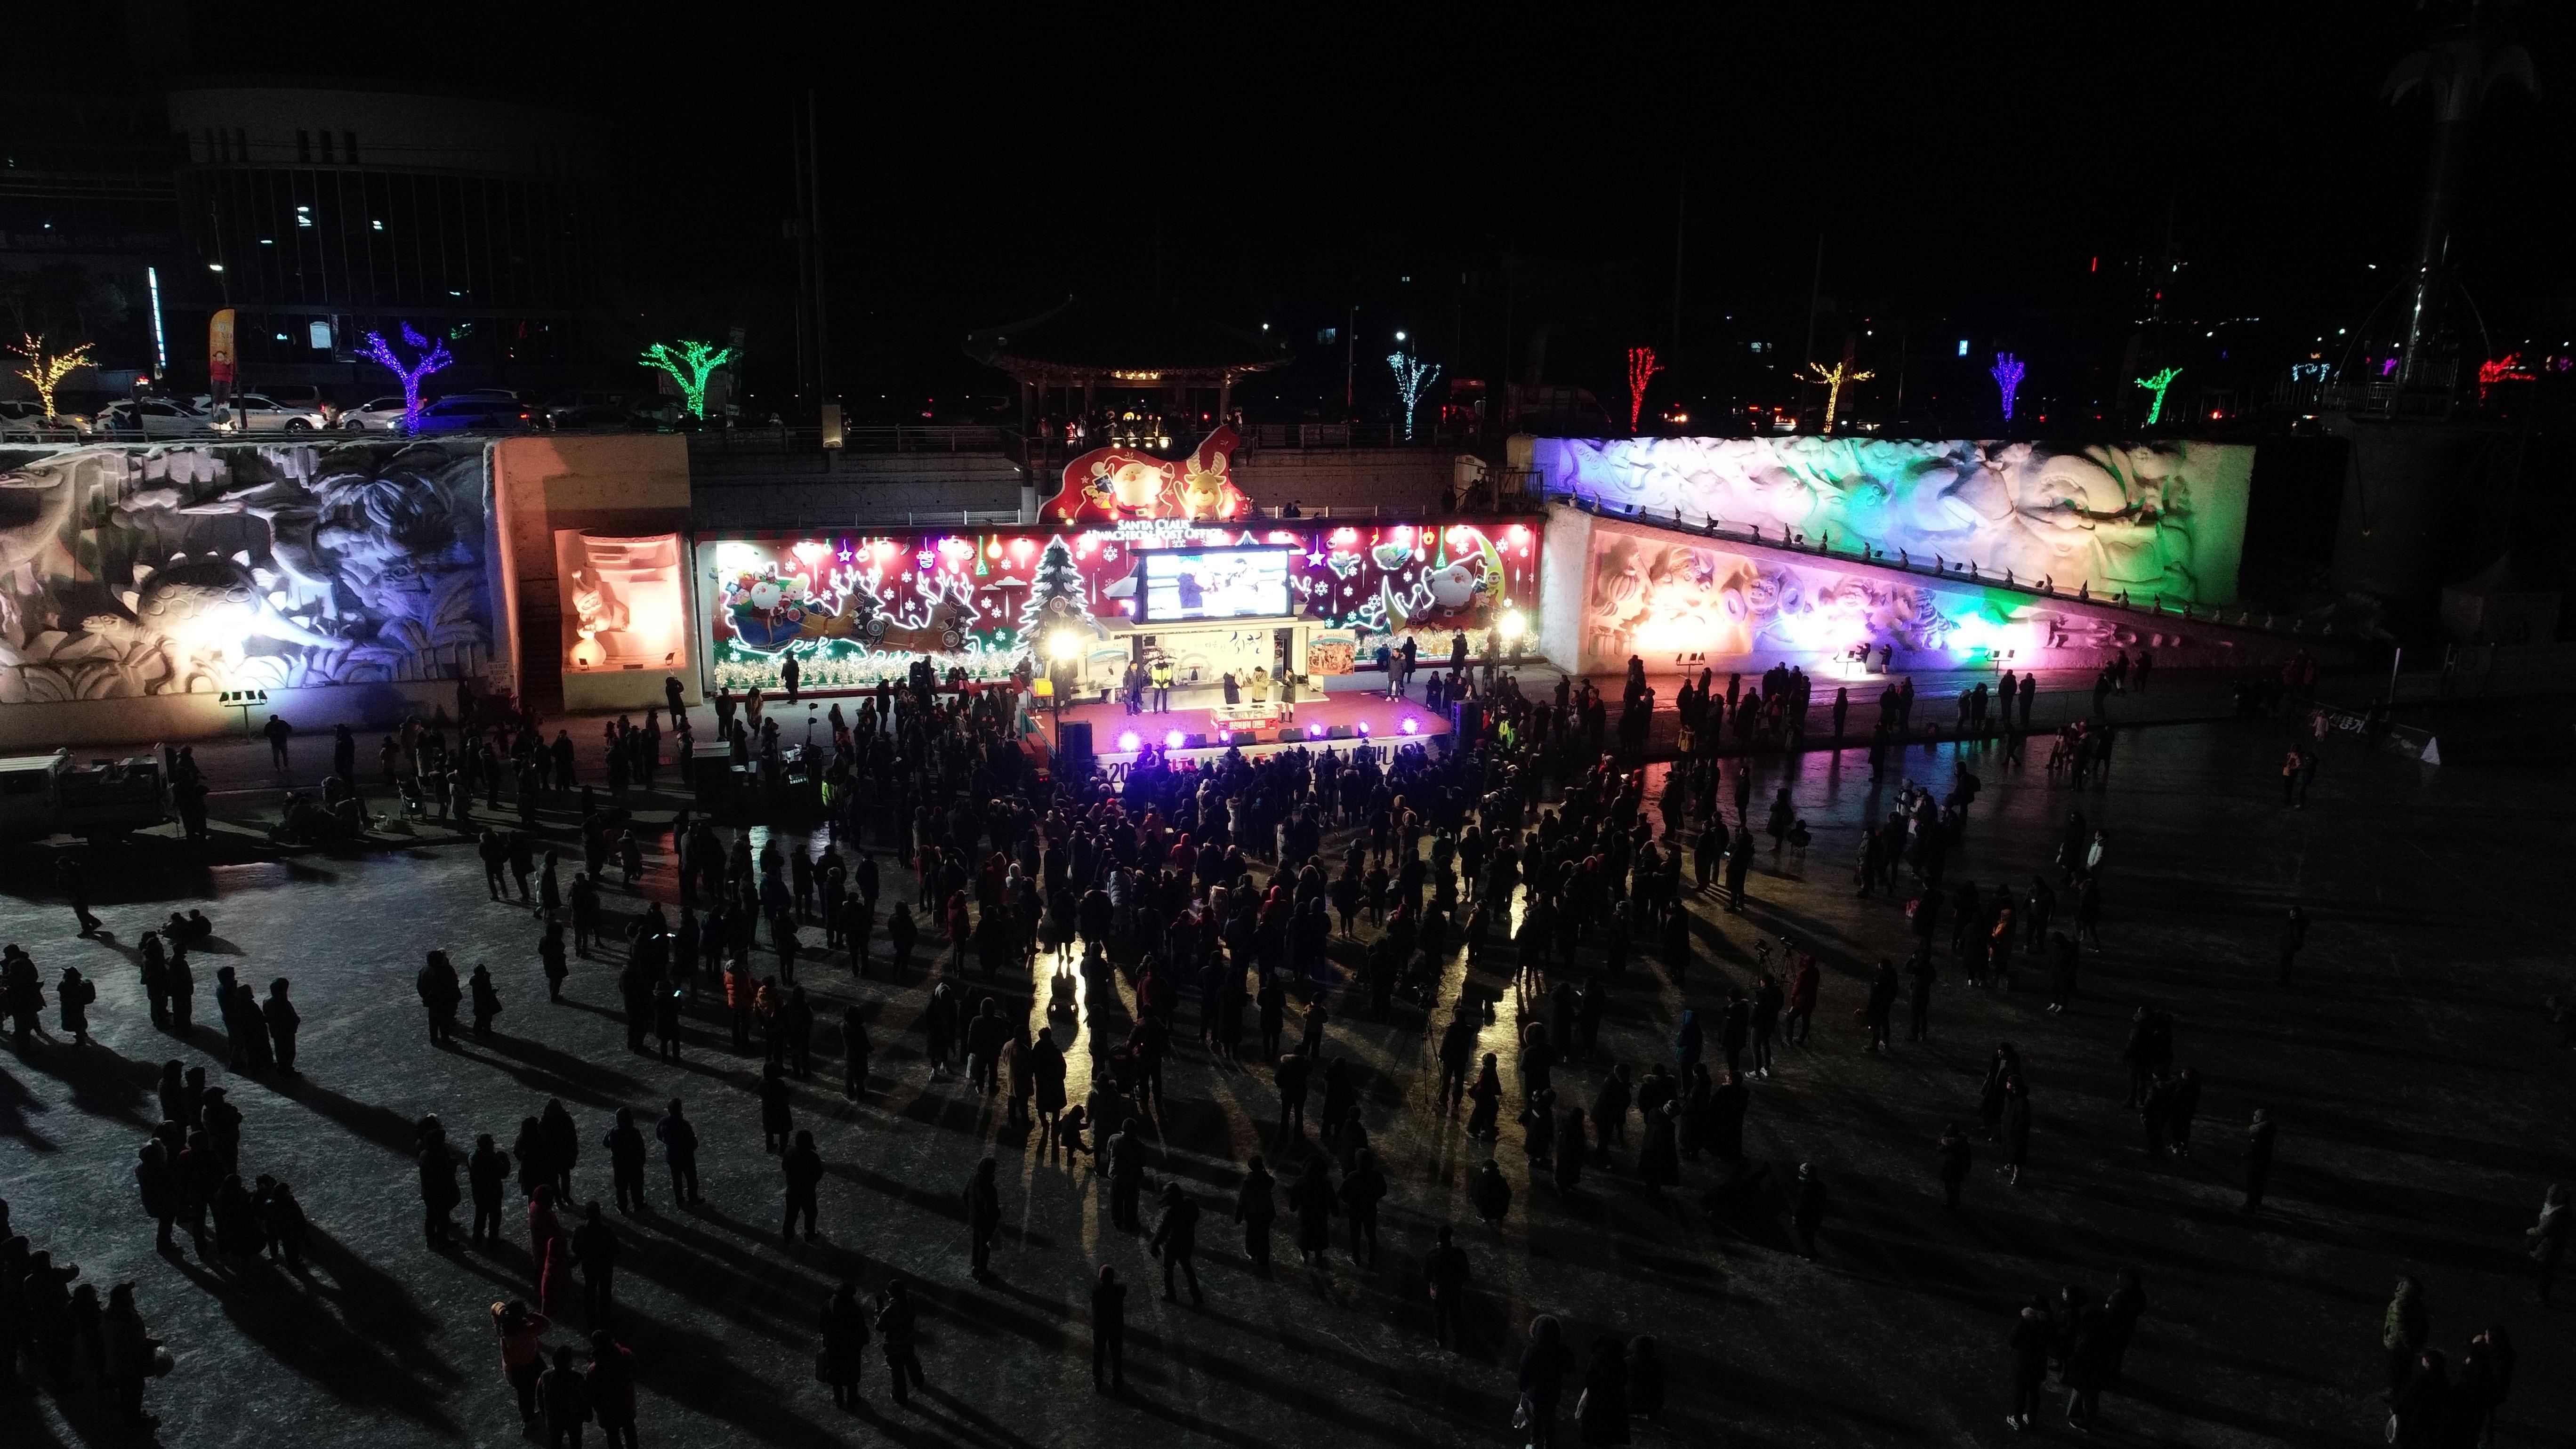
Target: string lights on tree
(2156, 385)
(45, 371)
(1413, 377)
(2007, 373)
(1642, 368)
(430, 355)
(1833, 378)
(690, 365)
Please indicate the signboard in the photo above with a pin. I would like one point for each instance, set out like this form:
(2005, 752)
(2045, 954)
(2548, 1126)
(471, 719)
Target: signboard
(1120, 485)
(1244, 583)
(219, 354)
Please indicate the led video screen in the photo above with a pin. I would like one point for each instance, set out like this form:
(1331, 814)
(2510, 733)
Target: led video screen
(1221, 584)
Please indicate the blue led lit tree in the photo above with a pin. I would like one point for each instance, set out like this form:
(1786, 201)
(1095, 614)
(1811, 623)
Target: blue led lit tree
(432, 355)
(1413, 377)
(2007, 373)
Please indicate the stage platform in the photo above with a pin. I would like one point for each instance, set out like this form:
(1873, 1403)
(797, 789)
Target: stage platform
(1358, 716)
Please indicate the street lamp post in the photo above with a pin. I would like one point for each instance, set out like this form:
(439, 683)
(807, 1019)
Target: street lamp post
(1062, 648)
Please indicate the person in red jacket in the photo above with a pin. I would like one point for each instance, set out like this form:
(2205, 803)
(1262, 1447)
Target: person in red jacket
(611, 1382)
(1802, 999)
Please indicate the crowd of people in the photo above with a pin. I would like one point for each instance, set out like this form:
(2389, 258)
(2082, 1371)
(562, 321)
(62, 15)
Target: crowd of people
(1243, 908)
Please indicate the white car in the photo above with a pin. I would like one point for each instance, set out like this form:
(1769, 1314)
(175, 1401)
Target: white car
(375, 415)
(151, 417)
(252, 413)
(27, 418)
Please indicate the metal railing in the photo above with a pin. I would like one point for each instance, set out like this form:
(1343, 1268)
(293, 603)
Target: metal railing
(903, 438)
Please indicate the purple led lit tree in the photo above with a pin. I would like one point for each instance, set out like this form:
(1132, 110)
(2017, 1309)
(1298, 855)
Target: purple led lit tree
(2007, 373)
(433, 356)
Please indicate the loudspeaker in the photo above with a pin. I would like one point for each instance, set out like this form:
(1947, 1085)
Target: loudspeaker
(1290, 734)
(1194, 742)
(1073, 740)
(1470, 719)
(1338, 732)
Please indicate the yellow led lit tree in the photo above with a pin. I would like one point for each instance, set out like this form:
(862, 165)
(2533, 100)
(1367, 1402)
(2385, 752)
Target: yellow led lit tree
(45, 371)
(1833, 378)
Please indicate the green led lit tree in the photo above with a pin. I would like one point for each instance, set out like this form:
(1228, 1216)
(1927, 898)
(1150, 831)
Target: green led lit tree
(689, 366)
(2157, 385)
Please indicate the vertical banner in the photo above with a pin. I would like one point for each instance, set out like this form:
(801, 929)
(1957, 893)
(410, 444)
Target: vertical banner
(219, 354)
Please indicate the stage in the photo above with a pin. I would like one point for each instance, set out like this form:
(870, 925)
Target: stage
(1341, 719)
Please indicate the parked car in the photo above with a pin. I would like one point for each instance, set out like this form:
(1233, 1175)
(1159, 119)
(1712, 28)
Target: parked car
(375, 415)
(591, 402)
(27, 418)
(255, 413)
(151, 417)
(592, 417)
(468, 412)
(302, 397)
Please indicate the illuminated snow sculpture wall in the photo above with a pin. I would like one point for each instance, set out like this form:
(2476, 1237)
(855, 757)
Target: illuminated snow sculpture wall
(1678, 602)
(134, 572)
(2164, 519)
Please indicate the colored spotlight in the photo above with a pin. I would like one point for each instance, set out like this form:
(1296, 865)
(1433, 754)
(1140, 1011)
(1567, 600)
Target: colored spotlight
(1363, 726)
(1317, 732)
(1412, 726)
(1128, 741)
(1173, 740)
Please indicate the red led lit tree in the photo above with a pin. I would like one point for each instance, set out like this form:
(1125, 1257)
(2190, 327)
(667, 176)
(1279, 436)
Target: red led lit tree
(1641, 368)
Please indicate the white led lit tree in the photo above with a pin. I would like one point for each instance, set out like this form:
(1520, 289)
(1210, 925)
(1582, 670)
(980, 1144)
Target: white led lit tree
(1413, 377)
(1056, 595)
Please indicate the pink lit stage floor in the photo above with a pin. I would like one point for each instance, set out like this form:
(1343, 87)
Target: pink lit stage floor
(1385, 719)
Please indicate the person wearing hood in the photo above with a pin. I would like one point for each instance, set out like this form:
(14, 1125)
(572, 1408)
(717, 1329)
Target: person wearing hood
(1176, 1239)
(1256, 1208)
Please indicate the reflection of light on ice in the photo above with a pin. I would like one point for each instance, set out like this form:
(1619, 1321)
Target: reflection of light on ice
(1676, 633)
(1976, 633)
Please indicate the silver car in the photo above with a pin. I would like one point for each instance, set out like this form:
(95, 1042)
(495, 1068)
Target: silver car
(375, 415)
(253, 413)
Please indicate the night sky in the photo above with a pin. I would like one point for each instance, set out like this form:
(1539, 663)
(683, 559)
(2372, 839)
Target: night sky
(1998, 172)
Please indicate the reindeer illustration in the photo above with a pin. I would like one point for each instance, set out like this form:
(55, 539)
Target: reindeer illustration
(952, 616)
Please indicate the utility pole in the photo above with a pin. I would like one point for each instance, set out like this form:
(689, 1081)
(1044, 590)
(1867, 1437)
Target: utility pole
(814, 246)
(1815, 294)
(1681, 211)
(1351, 363)
(796, 227)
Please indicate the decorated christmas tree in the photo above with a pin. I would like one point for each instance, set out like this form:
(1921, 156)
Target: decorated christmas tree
(1056, 594)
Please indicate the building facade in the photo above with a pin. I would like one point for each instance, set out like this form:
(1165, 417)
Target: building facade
(319, 216)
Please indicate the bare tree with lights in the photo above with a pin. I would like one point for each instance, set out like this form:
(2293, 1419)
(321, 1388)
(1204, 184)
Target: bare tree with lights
(430, 355)
(45, 371)
(690, 365)
(1833, 378)
(1642, 368)
(1413, 377)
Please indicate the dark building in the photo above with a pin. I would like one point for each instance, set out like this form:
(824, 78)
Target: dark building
(322, 215)
(88, 232)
